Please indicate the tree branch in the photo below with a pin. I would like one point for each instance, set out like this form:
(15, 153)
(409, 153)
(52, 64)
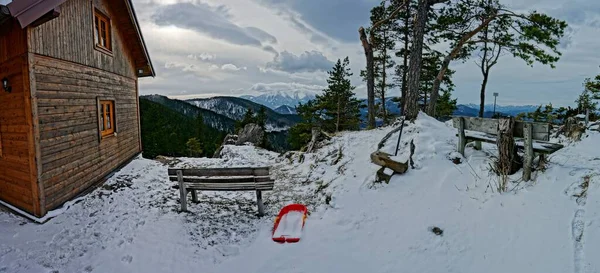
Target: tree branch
(433, 2)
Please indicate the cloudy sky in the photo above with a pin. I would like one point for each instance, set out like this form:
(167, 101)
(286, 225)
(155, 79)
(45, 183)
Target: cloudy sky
(235, 47)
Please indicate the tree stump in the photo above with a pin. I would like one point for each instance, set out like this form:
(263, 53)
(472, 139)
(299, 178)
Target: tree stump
(508, 159)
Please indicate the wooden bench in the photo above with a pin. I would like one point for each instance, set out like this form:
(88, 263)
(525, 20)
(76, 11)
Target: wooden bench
(222, 179)
(531, 137)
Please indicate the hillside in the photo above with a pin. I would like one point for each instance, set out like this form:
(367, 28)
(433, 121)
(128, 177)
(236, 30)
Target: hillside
(212, 119)
(132, 224)
(166, 132)
(235, 108)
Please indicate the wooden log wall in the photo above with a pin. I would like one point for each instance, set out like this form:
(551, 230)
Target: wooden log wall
(72, 156)
(70, 37)
(18, 174)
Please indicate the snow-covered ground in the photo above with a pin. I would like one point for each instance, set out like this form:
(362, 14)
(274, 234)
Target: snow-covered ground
(132, 224)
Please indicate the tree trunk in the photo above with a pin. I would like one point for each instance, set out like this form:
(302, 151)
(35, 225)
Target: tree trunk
(405, 57)
(370, 78)
(438, 80)
(482, 95)
(416, 57)
(337, 123)
(383, 110)
(435, 89)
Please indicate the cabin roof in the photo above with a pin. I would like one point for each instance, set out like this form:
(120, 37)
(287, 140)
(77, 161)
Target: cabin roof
(28, 11)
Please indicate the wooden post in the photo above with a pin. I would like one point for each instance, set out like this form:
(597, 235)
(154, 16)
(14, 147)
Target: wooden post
(462, 140)
(259, 202)
(194, 196)
(182, 191)
(528, 162)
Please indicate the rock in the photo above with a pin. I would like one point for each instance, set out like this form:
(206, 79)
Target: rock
(230, 139)
(251, 133)
(437, 231)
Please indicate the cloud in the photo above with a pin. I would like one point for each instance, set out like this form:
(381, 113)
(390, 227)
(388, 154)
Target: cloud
(309, 61)
(285, 86)
(226, 67)
(212, 21)
(202, 56)
(232, 67)
(349, 16)
(261, 35)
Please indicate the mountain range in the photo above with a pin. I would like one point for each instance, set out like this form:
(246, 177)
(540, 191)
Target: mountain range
(235, 108)
(212, 119)
(285, 102)
(274, 100)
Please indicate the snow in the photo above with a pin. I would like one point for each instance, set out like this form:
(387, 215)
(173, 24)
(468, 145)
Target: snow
(290, 225)
(132, 224)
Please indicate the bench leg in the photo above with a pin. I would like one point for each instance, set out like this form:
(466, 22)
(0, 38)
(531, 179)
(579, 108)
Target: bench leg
(182, 192)
(529, 155)
(462, 140)
(195, 196)
(259, 202)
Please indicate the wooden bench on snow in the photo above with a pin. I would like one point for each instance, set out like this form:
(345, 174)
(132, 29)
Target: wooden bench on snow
(531, 137)
(222, 179)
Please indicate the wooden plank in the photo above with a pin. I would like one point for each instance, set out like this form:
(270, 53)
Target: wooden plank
(245, 188)
(538, 145)
(230, 185)
(540, 131)
(259, 203)
(528, 148)
(383, 159)
(216, 179)
(182, 191)
(244, 171)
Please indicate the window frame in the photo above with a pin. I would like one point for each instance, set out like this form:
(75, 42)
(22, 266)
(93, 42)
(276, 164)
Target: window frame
(102, 120)
(96, 31)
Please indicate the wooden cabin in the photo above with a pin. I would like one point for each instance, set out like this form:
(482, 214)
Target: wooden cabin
(69, 112)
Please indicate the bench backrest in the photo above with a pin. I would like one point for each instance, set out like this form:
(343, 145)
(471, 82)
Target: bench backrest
(541, 131)
(224, 179)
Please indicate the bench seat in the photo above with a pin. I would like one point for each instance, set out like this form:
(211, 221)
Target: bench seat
(222, 179)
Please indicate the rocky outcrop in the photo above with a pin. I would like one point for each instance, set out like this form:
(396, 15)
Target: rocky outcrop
(251, 133)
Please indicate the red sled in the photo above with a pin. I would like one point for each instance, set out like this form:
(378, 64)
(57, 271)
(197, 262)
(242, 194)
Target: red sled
(290, 223)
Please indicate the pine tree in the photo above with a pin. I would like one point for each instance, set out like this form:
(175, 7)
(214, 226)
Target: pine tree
(384, 43)
(194, 147)
(341, 108)
(261, 117)
(248, 118)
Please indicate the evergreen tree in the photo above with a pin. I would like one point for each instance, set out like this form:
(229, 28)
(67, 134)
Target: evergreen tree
(341, 108)
(248, 118)
(384, 43)
(445, 105)
(261, 117)
(194, 147)
(335, 110)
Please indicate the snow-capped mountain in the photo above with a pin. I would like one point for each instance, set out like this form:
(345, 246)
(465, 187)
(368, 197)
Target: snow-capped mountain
(235, 108)
(279, 98)
(511, 110)
(286, 110)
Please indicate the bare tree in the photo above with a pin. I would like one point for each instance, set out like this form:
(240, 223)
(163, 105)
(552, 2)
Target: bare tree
(368, 45)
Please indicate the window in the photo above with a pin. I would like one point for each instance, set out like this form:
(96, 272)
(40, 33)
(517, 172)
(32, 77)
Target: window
(102, 37)
(106, 118)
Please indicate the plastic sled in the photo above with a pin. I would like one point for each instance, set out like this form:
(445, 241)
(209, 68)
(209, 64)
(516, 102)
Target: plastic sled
(290, 223)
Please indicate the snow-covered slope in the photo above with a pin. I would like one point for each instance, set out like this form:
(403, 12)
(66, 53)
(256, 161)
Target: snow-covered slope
(286, 110)
(276, 99)
(132, 225)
